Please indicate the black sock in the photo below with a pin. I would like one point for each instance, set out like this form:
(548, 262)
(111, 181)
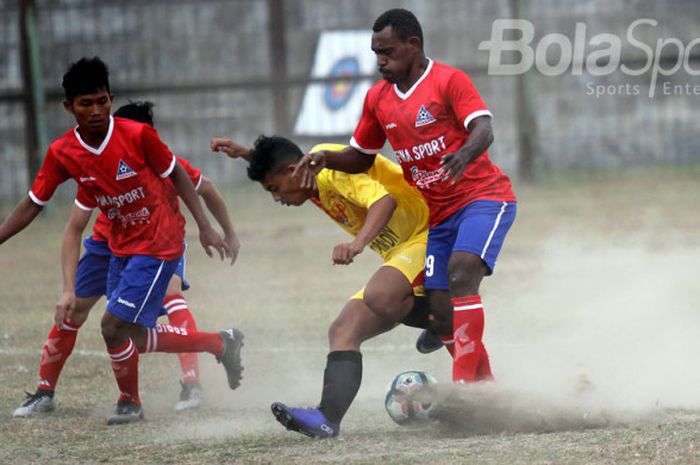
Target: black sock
(420, 313)
(341, 381)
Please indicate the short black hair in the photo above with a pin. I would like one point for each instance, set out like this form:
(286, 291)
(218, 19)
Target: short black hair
(85, 76)
(272, 155)
(141, 111)
(403, 22)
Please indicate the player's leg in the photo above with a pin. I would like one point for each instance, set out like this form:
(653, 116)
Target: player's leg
(465, 271)
(179, 316)
(481, 230)
(396, 292)
(147, 336)
(439, 248)
(136, 287)
(343, 374)
(90, 285)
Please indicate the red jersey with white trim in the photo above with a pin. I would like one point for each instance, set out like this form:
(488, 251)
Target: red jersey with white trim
(125, 179)
(102, 226)
(427, 122)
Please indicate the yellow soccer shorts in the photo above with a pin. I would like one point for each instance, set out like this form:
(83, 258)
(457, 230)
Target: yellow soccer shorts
(409, 259)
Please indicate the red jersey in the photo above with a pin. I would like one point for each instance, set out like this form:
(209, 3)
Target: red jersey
(125, 179)
(102, 226)
(428, 121)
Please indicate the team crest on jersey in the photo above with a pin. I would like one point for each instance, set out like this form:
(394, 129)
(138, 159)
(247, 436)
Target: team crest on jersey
(124, 171)
(424, 117)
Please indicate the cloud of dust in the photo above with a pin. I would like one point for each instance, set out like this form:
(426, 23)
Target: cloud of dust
(597, 333)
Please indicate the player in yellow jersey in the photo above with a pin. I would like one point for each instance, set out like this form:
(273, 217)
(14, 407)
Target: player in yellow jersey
(385, 214)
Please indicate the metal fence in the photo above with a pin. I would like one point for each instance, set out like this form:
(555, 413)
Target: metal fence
(243, 67)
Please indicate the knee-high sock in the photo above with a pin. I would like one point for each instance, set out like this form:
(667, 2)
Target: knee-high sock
(483, 370)
(341, 381)
(167, 338)
(57, 348)
(469, 349)
(181, 317)
(125, 364)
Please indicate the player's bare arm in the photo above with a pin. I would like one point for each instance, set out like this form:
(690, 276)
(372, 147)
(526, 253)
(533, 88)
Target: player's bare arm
(349, 160)
(480, 138)
(70, 253)
(378, 216)
(23, 214)
(208, 237)
(230, 147)
(217, 206)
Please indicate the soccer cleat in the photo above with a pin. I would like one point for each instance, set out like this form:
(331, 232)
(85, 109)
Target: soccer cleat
(126, 412)
(190, 396)
(309, 421)
(428, 342)
(40, 401)
(231, 358)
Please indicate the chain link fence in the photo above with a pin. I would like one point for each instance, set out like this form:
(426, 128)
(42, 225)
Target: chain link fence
(242, 67)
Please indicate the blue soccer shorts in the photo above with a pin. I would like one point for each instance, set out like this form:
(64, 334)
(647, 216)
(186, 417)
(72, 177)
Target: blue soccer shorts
(91, 277)
(93, 267)
(479, 228)
(136, 286)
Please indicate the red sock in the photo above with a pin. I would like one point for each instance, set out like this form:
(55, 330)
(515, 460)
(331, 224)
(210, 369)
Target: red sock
(57, 348)
(166, 338)
(468, 324)
(483, 370)
(181, 317)
(449, 344)
(125, 363)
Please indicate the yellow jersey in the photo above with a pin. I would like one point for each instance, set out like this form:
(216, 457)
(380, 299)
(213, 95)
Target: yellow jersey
(347, 197)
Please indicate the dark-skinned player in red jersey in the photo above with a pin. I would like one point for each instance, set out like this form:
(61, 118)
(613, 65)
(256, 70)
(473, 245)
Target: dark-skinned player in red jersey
(121, 167)
(440, 130)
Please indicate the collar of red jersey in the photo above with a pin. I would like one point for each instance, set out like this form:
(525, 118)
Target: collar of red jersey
(104, 143)
(404, 96)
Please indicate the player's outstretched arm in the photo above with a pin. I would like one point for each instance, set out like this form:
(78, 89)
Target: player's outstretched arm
(217, 206)
(378, 216)
(480, 138)
(24, 213)
(207, 236)
(70, 252)
(230, 147)
(349, 160)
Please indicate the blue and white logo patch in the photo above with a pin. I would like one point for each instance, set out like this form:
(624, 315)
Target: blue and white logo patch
(124, 171)
(424, 117)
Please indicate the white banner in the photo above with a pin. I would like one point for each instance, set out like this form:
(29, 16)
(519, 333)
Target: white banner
(334, 108)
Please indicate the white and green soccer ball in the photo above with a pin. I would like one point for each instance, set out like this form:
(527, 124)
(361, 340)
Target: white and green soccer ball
(411, 396)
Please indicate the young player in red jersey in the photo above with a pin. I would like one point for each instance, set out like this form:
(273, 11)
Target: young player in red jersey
(121, 167)
(91, 285)
(440, 131)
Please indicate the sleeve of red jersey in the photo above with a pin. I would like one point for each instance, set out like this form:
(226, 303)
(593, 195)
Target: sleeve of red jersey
(84, 201)
(195, 174)
(465, 99)
(369, 136)
(157, 155)
(51, 175)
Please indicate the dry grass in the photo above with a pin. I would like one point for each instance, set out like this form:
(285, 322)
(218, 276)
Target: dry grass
(591, 323)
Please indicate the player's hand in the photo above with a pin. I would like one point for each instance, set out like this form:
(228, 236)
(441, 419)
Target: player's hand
(64, 307)
(229, 147)
(343, 254)
(210, 238)
(453, 165)
(308, 167)
(234, 246)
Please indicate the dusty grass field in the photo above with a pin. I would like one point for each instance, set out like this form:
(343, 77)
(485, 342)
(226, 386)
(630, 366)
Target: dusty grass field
(592, 324)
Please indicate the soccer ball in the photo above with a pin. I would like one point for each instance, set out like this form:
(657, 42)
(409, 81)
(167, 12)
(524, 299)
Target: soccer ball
(410, 397)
